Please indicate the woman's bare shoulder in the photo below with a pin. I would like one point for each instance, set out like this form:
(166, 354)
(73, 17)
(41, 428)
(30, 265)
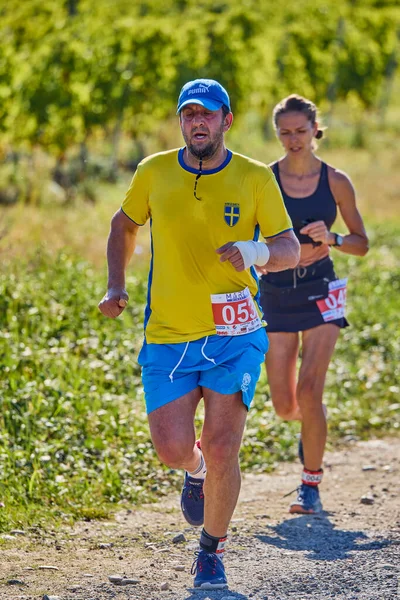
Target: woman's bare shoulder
(340, 182)
(338, 176)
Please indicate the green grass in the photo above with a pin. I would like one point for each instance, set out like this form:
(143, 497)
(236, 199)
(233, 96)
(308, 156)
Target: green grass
(74, 440)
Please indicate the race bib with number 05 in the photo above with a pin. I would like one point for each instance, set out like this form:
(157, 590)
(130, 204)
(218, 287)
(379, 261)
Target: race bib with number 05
(235, 313)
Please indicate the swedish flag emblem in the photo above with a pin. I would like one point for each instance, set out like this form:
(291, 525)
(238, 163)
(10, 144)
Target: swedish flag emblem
(231, 214)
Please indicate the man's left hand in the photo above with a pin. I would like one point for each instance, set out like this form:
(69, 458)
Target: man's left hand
(229, 252)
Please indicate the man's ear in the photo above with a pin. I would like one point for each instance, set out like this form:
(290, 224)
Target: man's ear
(228, 120)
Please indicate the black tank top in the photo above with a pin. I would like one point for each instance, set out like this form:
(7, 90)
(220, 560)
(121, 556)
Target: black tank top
(320, 206)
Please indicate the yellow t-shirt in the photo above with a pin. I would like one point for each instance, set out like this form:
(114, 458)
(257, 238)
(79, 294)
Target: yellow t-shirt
(238, 199)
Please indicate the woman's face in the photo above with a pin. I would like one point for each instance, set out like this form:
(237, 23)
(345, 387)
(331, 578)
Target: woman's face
(296, 133)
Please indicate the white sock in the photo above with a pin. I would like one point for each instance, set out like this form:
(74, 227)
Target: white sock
(201, 470)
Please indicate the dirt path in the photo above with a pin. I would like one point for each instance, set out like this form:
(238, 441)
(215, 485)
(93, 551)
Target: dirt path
(351, 551)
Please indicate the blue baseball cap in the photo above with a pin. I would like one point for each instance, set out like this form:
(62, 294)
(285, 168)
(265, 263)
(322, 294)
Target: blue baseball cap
(206, 92)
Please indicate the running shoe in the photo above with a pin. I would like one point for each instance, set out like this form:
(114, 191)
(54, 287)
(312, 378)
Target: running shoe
(308, 501)
(192, 500)
(209, 571)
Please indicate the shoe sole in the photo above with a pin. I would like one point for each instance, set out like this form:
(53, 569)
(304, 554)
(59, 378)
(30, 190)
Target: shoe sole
(211, 586)
(192, 523)
(298, 509)
(294, 510)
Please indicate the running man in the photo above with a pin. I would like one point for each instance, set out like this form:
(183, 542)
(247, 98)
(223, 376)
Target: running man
(204, 334)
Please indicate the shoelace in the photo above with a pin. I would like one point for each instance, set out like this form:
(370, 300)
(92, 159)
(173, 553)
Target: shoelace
(195, 492)
(296, 490)
(292, 492)
(197, 565)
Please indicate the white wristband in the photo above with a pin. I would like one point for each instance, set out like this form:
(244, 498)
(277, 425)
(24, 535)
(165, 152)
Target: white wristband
(253, 253)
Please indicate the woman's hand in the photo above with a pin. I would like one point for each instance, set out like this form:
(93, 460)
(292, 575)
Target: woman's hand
(318, 232)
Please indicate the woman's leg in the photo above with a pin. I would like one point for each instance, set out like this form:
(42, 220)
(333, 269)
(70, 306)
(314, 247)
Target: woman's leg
(281, 361)
(318, 345)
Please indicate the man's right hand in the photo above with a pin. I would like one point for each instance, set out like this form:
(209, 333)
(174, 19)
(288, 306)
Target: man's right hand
(114, 302)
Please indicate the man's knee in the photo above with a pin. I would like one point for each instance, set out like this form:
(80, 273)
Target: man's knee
(221, 451)
(174, 452)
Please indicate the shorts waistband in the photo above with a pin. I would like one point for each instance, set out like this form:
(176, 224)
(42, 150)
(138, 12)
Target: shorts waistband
(291, 277)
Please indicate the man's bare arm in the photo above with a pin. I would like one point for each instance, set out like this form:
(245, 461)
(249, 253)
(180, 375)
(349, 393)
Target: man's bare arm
(284, 252)
(120, 247)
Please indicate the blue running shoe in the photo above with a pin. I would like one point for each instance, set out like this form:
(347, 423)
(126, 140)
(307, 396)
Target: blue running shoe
(308, 501)
(192, 500)
(209, 571)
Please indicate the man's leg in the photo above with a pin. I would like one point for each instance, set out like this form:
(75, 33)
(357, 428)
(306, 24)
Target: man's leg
(173, 432)
(224, 421)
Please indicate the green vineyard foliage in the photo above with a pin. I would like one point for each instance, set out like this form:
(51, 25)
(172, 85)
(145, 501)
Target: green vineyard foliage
(70, 69)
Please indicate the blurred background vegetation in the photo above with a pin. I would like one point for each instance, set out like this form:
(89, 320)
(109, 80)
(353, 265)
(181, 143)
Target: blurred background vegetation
(87, 89)
(91, 85)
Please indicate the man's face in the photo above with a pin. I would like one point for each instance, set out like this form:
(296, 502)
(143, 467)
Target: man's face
(203, 130)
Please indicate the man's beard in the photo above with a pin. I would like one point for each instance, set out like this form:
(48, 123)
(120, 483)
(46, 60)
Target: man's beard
(209, 150)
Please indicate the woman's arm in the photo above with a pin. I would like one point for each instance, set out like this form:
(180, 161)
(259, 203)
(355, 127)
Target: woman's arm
(356, 241)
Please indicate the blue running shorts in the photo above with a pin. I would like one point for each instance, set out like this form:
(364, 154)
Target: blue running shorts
(223, 364)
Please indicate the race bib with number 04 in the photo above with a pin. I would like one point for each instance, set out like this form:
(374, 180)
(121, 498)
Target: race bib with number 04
(332, 307)
(235, 313)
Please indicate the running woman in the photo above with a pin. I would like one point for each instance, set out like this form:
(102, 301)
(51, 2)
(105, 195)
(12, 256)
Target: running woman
(306, 303)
